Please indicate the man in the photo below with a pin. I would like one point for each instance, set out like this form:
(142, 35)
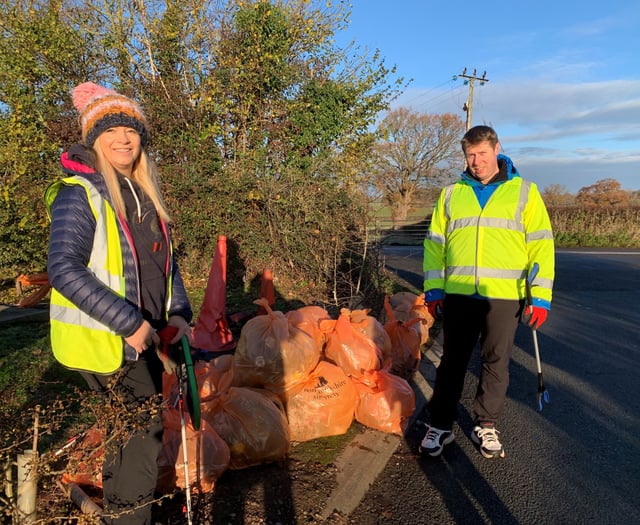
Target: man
(487, 231)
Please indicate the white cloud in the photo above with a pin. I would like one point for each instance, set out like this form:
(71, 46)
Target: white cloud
(562, 133)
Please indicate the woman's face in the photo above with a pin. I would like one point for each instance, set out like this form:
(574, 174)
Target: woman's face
(121, 148)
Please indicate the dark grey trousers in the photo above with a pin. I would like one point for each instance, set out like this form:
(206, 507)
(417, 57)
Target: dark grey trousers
(130, 469)
(465, 322)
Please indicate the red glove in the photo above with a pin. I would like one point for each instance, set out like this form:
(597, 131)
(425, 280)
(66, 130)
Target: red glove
(167, 334)
(435, 308)
(534, 316)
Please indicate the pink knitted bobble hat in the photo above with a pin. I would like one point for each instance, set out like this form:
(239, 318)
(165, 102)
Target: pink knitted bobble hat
(102, 108)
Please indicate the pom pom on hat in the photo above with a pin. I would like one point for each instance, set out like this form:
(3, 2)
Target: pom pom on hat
(102, 108)
(85, 93)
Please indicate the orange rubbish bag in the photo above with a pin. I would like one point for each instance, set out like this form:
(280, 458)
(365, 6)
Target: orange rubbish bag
(349, 348)
(372, 328)
(321, 406)
(253, 426)
(385, 401)
(407, 306)
(208, 455)
(405, 352)
(308, 318)
(250, 421)
(273, 353)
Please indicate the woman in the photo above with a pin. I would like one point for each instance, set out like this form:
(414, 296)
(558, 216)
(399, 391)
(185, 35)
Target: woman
(115, 284)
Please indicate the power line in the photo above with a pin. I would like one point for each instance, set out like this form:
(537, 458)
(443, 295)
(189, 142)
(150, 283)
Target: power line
(442, 99)
(428, 98)
(429, 91)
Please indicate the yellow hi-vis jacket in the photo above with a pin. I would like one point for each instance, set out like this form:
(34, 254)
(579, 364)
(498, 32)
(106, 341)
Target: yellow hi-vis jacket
(488, 251)
(79, 341)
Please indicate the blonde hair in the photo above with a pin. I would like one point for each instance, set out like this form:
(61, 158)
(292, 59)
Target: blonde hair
(144, 172)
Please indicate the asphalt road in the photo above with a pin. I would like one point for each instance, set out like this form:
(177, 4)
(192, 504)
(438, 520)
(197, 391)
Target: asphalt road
(577, 461)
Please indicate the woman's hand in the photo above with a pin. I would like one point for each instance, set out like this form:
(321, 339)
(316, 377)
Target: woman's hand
(183, 328)
(144, 337)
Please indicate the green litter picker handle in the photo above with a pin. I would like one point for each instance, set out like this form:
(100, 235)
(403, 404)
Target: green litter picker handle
(193, 398)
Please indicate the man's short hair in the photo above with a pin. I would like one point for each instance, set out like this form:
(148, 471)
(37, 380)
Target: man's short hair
(478, 134)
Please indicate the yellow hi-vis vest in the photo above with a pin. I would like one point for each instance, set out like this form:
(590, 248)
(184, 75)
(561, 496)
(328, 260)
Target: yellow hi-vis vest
(78, 341)
(488, 251)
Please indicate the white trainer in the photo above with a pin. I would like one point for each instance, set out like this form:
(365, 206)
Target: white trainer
(486, 437)
(434, 441)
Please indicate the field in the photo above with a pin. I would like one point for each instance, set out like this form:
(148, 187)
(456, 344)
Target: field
(406, 232)
(572, 227)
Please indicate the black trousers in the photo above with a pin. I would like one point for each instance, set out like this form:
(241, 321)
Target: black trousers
(130, 470)
(466, 321)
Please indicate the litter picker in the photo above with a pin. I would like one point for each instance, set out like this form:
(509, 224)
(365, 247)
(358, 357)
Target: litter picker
(543, 394)
(187, 391)
(177, 358)
(191, 384)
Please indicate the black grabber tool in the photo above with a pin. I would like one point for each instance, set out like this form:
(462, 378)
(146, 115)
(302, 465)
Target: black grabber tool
(543, 394)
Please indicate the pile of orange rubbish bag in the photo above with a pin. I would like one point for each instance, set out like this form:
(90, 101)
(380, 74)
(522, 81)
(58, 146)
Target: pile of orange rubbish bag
(293, 377)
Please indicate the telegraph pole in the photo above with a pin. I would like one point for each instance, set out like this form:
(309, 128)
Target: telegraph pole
(470, 79)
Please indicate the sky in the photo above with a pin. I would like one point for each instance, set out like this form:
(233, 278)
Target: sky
(563, 89)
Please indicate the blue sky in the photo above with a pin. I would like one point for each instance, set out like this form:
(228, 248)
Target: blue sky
(564, 77)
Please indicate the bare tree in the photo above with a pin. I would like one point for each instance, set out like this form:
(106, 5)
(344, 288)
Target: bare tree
(557, 195)
(416, 150)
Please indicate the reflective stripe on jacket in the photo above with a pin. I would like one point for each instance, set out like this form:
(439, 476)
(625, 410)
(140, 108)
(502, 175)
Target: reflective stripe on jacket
(488, 251)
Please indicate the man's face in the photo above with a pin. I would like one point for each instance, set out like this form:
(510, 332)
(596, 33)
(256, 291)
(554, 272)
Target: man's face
(482, 160)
